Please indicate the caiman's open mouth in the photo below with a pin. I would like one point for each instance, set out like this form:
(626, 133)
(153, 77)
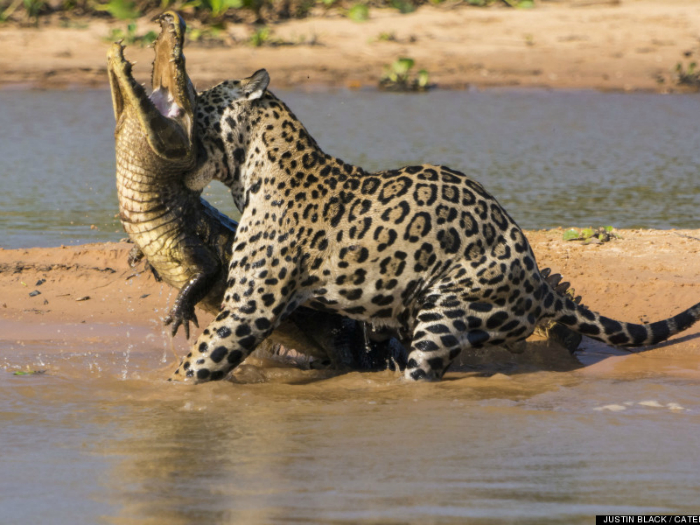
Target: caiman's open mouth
(167, 116)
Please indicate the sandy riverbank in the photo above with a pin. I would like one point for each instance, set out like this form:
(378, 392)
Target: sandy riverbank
(646, 276)
(626, 45)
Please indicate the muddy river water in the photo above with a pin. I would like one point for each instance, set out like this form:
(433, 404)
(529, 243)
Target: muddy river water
(551, 158)
(101, 437)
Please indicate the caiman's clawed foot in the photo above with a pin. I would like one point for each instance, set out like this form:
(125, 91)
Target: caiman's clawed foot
(193, 292)
(135, 256)
(181, 315)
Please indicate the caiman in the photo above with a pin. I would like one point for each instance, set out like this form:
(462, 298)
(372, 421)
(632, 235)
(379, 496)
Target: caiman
(186, 241)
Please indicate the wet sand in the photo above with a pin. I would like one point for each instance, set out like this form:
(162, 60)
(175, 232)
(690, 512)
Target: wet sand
(593, 44)
(89, 290)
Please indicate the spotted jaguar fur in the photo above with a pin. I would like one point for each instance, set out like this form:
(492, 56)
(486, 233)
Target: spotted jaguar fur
(423, 250)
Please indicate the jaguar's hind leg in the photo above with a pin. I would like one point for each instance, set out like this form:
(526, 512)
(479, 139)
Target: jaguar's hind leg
(454, 324)
(438, 339)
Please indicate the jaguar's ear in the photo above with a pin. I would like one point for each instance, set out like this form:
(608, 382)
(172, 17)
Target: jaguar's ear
(254, 86)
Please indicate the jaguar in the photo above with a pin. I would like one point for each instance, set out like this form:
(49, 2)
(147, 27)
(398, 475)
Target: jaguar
(425, 251)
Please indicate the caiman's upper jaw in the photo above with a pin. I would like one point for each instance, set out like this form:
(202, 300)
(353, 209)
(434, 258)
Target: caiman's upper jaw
(173, 92)
(166, 117)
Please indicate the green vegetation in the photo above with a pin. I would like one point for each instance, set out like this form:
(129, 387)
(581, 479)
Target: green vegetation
(28, 372)
(33, 8)
(404, 6)
(215, 13)
(397, 77)
(130, 37)
(218, 8)
(30, 9)
(263, 36)
(120, 9)
(590, 235)
(358, 13)
(688, 76)
(686, 73)
(386, 37)
(260, 37)
(210, 35)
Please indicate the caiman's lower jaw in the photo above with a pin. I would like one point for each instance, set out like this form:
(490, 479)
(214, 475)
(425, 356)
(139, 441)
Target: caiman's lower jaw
(167, 116)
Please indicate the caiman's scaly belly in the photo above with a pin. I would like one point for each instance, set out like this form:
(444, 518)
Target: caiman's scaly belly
(151, 217)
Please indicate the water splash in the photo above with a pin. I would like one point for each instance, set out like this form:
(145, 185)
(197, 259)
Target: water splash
(127, 356)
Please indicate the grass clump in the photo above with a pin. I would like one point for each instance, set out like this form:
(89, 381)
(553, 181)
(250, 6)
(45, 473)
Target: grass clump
(398, 77)
(260, 37)
(387, 37)
(591, 235)
(688, 75)
(358, 12)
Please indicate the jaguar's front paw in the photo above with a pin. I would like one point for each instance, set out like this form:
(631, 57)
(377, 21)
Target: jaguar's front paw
(180, 373)
(199, 371)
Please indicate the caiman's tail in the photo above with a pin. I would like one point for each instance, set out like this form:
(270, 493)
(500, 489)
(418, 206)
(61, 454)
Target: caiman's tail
(619, 333)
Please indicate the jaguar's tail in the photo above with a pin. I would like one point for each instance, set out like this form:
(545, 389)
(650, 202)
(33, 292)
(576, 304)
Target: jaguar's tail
(581, 319)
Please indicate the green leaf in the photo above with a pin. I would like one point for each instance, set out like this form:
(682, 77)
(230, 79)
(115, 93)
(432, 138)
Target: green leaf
(218, 8)
(608, 228)
(572, 234)
(404, 6)
(358, 13)
(402, 66)
(121, 9)
(423, 78)
(33, 7)
(260, 37)
(10, 9)
(587, 233)
(526, 4)
(194, 34)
